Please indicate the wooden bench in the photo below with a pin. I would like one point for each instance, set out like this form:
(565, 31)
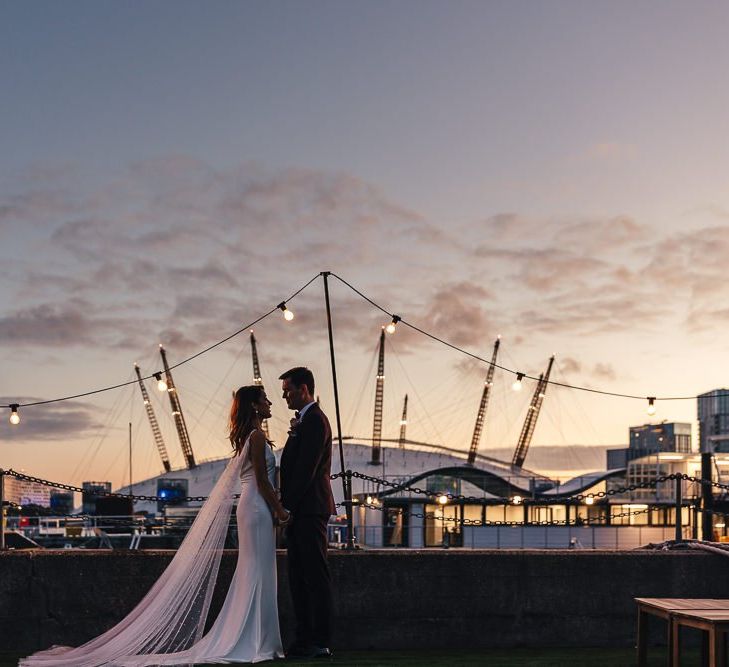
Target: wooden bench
(668, 609)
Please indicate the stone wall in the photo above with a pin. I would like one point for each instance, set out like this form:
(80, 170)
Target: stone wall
(383, 598)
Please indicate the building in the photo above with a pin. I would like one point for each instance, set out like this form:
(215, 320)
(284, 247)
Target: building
(651, 439)
(24, 492)
(713, 416)
(62, 502)
(92, 491)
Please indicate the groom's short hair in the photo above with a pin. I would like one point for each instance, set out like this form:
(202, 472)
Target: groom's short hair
(298, 376)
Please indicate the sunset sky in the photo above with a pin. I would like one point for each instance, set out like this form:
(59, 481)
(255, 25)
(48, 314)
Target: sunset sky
(556, 173)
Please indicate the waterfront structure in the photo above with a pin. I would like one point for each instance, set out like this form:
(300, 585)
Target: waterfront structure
(713, 417)
(538, 518)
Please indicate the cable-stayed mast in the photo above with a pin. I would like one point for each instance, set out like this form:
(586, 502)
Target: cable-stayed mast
(257, 379)
(182, 433)
(379, 393)
(530, 422)
(403, 423)
(478, 428)
(153, 423)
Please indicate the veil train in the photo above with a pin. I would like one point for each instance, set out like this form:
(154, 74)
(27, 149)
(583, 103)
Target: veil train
(171, 616)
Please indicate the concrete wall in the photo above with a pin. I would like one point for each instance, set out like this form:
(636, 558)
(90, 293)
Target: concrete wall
(385, 599)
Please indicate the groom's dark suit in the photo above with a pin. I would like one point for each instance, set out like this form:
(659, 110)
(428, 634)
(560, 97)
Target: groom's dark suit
(306, 491)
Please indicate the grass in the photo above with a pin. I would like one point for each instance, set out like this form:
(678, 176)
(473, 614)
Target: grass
(520, 657)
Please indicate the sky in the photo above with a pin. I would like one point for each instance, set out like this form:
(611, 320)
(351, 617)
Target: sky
(554, 173)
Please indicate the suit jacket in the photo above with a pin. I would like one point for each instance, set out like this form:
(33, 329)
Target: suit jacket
(306, 464)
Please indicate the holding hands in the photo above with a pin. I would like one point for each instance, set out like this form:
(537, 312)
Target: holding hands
(282, 516)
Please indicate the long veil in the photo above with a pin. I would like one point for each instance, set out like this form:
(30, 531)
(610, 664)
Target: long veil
(171, 617)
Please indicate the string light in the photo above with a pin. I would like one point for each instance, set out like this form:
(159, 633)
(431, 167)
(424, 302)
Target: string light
(589, 500)
(14, 416)
(651, 405)
(288, 315)
(443, 499)
(390, 328)
(161, 384)
(517, 500)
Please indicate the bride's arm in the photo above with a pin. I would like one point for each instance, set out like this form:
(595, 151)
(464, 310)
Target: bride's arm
(258, 459)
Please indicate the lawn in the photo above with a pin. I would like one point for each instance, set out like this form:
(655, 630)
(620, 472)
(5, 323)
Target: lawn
(490, 658)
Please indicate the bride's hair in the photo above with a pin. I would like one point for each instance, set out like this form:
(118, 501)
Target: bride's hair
(243, 417)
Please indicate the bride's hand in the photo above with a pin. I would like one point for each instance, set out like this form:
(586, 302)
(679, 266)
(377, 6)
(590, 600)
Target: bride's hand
(283, 517)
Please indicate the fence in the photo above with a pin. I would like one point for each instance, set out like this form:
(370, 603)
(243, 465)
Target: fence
(473, 532)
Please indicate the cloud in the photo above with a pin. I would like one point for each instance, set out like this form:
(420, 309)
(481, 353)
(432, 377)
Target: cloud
(569, 365)
(69, 324)
(48, 325)
(54, 421)
(604, 371)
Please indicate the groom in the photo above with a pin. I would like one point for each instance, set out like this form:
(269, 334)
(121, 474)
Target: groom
(307, 493)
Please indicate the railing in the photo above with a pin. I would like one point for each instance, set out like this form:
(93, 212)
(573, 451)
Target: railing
(612, 538)
(676, 480)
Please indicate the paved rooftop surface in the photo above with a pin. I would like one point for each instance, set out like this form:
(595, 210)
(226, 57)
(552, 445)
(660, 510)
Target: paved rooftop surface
(497, 658)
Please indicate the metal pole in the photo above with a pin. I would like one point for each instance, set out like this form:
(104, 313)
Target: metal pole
(131, 492)
(679, 502)
(346, 488)
(695, 526)
(707, 495)
(2, 510)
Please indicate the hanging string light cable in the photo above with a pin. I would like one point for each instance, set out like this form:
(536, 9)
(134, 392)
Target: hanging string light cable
(651, 399)
(14, 406)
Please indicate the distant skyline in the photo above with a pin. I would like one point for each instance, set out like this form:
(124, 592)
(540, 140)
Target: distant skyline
(555, 173)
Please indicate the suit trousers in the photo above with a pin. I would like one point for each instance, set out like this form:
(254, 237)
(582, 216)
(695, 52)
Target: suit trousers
(309, 579)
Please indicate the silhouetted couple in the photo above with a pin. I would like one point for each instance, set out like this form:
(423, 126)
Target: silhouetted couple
(168, 626)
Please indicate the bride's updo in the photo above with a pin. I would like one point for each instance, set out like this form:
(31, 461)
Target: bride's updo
(243, 416)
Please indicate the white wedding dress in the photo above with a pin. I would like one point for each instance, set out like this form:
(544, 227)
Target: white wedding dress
(166, 627)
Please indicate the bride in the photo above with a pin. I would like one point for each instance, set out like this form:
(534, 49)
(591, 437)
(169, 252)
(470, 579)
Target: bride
(166, 627)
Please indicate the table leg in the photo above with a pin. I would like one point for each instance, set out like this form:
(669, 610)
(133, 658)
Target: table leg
(642, 643)
(717, 656)
(675, 651)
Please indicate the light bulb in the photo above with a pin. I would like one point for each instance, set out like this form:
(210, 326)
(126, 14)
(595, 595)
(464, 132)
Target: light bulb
(517, 500)
(161, 384)
(288, 315)
(651, 405)
(390, 328)
(517, 383)
(589, 500)
(443, 499)
(14, 416)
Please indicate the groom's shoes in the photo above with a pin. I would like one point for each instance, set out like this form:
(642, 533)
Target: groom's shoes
(307, 652)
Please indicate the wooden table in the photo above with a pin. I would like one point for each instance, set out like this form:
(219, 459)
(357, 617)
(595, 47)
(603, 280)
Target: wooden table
(714, 621)
(667, 608)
